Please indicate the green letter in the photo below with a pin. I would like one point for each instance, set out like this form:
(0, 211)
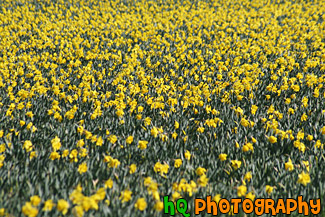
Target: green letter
(183, 209)
(169, 204)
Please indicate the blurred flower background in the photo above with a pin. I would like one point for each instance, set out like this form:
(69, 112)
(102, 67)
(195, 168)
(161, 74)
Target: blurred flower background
(107, 106)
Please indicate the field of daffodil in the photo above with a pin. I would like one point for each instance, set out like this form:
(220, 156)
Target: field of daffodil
(108, 106)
